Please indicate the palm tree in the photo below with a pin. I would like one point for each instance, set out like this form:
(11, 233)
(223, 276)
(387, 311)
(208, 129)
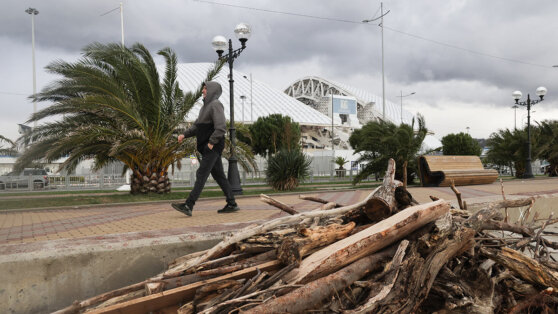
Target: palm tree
(549, 145)
(115, 107)
(8, 151)
(510, 148)
(381, 140)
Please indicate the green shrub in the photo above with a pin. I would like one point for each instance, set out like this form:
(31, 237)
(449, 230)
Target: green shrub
(286, 169)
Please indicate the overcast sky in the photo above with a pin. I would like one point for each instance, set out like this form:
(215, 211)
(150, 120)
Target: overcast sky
(462, 58)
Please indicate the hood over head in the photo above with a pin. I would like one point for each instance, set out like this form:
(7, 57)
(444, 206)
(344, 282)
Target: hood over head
(214, 91)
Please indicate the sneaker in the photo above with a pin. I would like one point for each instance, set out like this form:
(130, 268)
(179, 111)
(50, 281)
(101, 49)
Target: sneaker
(183, 208)
(229, 208)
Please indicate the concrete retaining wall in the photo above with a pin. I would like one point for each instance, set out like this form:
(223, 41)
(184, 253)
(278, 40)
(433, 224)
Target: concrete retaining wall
(48, 280)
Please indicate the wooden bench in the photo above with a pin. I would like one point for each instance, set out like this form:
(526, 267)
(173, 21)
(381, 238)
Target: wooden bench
(463, 170)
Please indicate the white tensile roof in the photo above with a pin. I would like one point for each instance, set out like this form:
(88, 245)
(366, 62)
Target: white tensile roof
(266, 99)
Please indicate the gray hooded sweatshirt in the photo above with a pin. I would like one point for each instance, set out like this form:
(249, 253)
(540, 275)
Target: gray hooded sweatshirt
(210, 126)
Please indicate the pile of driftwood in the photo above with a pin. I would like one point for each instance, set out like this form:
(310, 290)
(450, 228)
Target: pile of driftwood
(386, 254)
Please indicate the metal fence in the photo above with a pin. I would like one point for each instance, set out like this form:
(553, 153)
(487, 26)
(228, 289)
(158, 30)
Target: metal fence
(184, 178)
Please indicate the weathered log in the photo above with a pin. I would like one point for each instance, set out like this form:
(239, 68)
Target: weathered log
(318, 200)
(457, 195)
(226, 260)
(312, 294)
(523, 266)
(154, 287)
(282, 206)
(368, 241)
(256, 248)
(184, 258)
(483, 215)
(383, 202)
(293, 249)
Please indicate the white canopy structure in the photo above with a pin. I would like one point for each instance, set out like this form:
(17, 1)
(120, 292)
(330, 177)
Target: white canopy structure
(265, 100)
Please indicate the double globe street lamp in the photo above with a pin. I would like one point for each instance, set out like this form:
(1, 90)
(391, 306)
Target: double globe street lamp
(541, 91)
(242, 32)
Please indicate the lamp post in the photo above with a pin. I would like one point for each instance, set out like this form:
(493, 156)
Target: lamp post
(381, 18)
(541, 91)
(401, 96)
(251, 102)
(332, 144)
(33, 12)
(242, 32)
(243, 98)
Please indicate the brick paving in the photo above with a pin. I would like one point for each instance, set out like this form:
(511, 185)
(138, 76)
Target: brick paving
(20, 229)
(148, 220)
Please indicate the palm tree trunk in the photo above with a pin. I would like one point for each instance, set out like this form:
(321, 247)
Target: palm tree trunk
(149, 181)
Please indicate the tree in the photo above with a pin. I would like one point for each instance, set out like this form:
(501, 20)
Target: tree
(381, 140)
(287, 168)
(509, 148)
(273, 133)
(548, 145)
(10, 150)
(460, 144)
(340, 161)
(115, 107)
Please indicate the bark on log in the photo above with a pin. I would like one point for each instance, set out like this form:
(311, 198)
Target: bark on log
(524, 266)
(368, 241)
(318, 200)
(311, 295)
(457, 195)
(282, 206)
(293, 249)
(383, 202)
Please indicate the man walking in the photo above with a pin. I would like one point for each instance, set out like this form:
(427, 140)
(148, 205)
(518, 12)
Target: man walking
(209, 129)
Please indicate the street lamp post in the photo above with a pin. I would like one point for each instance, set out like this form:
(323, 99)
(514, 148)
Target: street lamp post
(381, 17)
(33, 12)
(332, 144)
(242, 32)
(251, 102)
(541, 91)
(401, 96)
(243, 98)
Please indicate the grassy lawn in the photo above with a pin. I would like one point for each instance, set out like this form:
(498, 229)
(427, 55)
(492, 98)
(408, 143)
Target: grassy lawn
(23, 200)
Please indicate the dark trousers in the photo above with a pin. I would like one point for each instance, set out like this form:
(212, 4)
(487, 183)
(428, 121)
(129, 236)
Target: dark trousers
(210, 163)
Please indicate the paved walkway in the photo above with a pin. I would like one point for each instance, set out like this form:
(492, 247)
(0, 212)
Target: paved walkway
(28, 231)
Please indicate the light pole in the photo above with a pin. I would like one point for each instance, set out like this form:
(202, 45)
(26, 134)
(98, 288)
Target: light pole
(514, 107)
(401, 96)
(251, 118)
(541, 91)
(242, 97)
(383, 78)
(33, 12)
(242, 32)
